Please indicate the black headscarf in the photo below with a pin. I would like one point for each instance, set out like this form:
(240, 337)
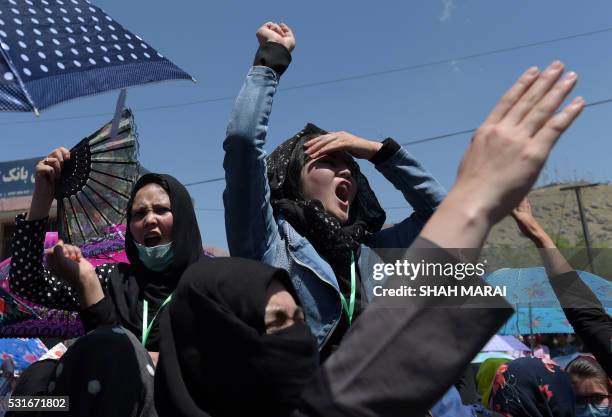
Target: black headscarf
(215, 357)
(130, 283)
(331, 239)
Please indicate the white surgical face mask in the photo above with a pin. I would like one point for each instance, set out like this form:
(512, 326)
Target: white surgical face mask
(156, 258)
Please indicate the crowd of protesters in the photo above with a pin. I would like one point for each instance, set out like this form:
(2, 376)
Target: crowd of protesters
(287, 325)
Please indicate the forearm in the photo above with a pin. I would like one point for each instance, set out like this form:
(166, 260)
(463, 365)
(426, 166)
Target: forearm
(40, 205)
(458, 223)
(28, 276)
(248, 124)
(554, 262)
(246, 196)
(99, 314)
(89, 291)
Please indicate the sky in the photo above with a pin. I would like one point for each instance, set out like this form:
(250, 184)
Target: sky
(181, 124)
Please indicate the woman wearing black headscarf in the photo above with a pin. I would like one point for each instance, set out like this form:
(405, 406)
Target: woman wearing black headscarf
(251, 353)
(162, 240)
(234, 343)
(307, 207)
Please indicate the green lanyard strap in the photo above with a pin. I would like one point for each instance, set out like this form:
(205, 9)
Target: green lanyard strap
(349, 307)
(146, 329)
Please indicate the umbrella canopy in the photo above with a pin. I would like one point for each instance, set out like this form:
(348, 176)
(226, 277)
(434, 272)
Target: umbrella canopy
(500, 343)
(483, 356)
(565, 360)
(24, 352)
(537, 308)
(57, 50)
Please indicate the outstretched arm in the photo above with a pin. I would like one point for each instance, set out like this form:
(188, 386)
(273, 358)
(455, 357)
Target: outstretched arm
(28, 276)
(554, 262)
(505, 157)
(249, 220)
(580, 305)
(499, 167)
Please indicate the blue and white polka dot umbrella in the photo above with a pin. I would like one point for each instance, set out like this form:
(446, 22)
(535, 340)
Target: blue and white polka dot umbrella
(56, 50)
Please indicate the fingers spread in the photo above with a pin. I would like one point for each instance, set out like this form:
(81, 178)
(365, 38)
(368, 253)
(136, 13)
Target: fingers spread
(545, 139)
(532, 96)
(513, 95)
(548, 105)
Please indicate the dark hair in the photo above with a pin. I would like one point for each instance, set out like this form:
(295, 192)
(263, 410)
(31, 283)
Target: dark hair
(585, 367)
(292, 187)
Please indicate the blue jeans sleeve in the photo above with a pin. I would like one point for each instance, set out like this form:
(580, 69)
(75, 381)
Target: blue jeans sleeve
(420, 189)
(249, 221)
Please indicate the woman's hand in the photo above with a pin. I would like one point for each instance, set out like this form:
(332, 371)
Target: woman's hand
(341, 142)
(511, 146)
(525, 221)
(67, 262)
(279, 33)
(48, 170)
(505, 157)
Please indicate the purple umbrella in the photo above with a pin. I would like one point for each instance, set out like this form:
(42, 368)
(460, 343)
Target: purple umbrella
(504, 344)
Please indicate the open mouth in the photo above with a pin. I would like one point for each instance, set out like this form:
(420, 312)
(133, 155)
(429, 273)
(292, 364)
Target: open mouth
(152, 240)
(343, 192)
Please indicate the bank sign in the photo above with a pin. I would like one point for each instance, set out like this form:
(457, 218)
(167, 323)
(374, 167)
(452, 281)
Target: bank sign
(17, 177)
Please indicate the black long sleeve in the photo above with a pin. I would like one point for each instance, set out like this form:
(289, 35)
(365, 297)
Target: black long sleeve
(99, 314)
(30, 279)
(273, 55)
(403, 354)
(586, 315)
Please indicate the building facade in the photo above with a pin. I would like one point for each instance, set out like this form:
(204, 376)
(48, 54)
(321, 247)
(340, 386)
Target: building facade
(16, 189)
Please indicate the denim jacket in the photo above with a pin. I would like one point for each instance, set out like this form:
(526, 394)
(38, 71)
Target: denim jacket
(253, 231)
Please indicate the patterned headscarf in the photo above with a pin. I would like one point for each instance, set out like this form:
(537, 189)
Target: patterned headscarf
(331, 239)
(486, 375)
(532, 387)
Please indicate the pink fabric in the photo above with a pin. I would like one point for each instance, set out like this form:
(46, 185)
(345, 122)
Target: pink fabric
(51, 239)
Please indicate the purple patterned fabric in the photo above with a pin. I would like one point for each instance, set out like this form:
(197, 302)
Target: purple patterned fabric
(46, 322)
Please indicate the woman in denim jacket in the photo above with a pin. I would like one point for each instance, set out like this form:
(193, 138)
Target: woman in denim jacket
(307, 208)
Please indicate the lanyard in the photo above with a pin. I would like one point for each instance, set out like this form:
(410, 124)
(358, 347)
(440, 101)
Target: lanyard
(146, 329)
(350, 306)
